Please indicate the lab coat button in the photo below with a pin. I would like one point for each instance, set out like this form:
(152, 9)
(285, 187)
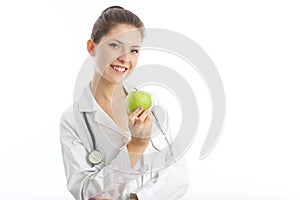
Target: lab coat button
(75, 142)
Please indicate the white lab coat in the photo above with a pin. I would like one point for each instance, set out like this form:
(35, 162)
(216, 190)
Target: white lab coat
(110, 179)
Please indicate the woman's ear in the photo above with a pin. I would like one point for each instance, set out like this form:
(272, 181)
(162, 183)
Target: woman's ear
(91, 47)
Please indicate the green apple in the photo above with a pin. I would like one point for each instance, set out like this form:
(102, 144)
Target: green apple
(136, 99)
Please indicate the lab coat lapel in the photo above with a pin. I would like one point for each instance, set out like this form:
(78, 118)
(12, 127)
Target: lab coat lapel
(87, 103)
(103, 119)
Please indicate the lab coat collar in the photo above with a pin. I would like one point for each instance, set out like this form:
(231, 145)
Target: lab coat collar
(87, 103)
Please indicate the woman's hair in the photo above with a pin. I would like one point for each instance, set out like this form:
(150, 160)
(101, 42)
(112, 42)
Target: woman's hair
(111, 17)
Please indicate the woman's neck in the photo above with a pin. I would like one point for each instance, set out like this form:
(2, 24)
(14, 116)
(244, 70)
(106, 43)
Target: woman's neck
(103, 90)
(111, 98)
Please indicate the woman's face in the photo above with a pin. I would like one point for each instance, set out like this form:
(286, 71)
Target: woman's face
(117, 53)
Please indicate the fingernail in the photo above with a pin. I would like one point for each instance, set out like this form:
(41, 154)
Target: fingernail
(141, 107)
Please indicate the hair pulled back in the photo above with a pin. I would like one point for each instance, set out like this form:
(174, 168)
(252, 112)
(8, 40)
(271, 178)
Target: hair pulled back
(111, 17)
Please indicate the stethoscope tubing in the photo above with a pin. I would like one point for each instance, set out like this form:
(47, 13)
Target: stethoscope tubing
(90, 130)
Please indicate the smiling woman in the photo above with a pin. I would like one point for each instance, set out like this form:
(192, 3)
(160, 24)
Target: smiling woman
(117, 50)
(103, 145)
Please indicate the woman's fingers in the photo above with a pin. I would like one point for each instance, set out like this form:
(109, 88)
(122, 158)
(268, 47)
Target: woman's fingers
(140, 125)
(142, 117)
(147, 121)
(134, 116)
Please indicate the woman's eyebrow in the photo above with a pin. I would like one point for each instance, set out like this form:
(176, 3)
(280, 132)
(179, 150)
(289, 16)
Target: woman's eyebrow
(118, 41)
(137, 46)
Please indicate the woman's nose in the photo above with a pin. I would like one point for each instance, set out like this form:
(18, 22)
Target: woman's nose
(124, 58)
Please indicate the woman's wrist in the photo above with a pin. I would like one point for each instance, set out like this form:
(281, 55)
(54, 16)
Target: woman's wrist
(136, 141)
(137, 145)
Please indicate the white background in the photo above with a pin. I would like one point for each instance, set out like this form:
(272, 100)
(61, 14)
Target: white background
(255, 46)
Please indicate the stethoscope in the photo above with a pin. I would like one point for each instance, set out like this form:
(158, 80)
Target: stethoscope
(96, 157)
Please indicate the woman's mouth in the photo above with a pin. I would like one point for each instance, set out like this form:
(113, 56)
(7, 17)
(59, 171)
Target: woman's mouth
(119, 69)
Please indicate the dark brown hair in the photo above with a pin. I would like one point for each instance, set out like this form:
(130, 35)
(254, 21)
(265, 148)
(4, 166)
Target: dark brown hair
(111, 17)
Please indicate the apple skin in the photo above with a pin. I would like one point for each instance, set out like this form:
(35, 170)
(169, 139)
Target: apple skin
(136, 99)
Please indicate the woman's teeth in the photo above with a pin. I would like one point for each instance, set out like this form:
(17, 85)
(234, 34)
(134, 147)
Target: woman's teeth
(119, 69)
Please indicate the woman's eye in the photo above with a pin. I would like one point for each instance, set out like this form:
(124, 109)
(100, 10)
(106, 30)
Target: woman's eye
(134, 51)
(114, 45)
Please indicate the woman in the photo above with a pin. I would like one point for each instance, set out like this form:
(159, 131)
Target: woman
(99, 120)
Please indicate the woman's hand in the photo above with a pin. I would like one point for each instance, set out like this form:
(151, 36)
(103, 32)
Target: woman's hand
(140, 125)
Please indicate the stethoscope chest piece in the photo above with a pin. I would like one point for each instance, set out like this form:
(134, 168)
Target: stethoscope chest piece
(95, 157)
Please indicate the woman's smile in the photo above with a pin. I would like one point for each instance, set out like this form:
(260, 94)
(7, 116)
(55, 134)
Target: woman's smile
(119, 69)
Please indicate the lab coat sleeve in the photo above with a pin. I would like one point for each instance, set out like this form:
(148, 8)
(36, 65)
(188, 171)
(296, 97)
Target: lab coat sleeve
(83, 180)
(171, 183)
